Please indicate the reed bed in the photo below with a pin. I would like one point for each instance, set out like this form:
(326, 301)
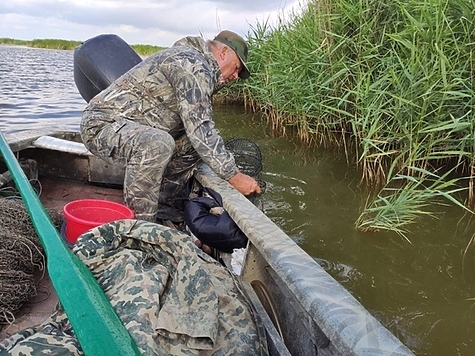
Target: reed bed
(391, 82)
(42, 43)
(141, 49)
(146, 50)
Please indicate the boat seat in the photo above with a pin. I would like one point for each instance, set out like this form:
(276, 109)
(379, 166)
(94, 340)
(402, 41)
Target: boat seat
(58, 144)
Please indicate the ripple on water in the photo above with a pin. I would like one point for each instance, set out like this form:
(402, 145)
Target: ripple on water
(38, 90)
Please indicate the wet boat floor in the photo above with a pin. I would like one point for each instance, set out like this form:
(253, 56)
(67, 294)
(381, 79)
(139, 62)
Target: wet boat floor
(55, 193)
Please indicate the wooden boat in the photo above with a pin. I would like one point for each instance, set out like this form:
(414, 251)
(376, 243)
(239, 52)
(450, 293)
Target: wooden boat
(304, 310)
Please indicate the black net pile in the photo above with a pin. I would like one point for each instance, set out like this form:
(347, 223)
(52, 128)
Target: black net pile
(20, 253)
(248, 158)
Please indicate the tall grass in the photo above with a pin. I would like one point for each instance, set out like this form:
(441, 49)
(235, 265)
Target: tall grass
(141, 49)
(42, 43)
(390, 81)
(146, 50)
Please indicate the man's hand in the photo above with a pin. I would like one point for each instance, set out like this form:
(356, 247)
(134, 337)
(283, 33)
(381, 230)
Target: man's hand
(245, 184)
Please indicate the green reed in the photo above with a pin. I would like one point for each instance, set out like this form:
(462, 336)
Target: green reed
(146, 50)
(391, 82)
(141, 49)
(42, 43)
(407, 197)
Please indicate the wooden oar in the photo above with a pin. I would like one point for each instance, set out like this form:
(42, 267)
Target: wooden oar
(97, 326)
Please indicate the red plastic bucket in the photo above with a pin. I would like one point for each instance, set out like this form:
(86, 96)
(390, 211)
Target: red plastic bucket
(83, 215)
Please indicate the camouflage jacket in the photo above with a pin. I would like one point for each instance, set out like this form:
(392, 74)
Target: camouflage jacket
(172, 90)
(172, 297)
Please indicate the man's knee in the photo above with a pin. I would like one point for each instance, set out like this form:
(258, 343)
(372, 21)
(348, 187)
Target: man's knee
(158, 143)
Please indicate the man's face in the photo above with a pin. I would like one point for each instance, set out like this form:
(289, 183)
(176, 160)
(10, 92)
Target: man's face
(230, 64)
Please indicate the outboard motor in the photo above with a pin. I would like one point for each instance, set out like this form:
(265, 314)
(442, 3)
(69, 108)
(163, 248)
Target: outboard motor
(99, 61)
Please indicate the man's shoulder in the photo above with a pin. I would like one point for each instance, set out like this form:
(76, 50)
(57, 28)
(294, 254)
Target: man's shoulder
(190, 57)
(181, 51)
(196, 43)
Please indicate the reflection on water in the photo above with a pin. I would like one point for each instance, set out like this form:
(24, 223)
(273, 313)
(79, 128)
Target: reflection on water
(420, 291)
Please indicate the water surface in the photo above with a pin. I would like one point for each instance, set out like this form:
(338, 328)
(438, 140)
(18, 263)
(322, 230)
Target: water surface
(37, 89)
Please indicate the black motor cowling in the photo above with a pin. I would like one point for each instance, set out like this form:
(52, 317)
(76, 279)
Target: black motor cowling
(99, 61)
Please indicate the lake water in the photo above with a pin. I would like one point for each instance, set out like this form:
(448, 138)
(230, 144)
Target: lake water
(421, 291)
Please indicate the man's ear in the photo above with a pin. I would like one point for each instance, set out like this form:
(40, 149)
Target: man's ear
(223, 52)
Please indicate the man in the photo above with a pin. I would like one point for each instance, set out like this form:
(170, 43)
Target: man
(157, 121)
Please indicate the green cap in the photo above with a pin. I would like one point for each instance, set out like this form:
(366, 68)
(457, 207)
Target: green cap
(238, 45)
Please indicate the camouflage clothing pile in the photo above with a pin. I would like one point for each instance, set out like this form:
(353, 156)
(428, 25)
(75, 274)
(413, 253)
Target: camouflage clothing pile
(173, 298)
(157, 121)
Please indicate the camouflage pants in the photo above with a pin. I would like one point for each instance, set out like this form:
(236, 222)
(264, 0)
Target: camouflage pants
(158, 168)
(172, 298)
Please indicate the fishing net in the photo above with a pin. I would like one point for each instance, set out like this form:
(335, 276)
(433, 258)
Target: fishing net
(20, 253)
(248, 158)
